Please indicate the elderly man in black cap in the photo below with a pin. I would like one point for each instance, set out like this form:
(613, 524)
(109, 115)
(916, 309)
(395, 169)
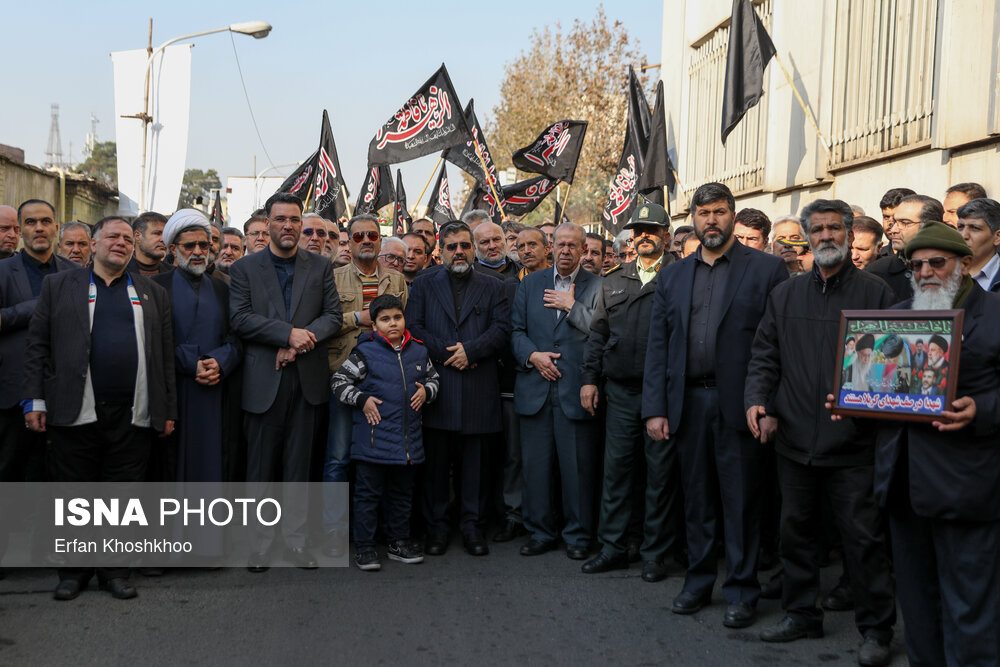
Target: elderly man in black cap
(616, 353)
(939, 481)
(792, 364)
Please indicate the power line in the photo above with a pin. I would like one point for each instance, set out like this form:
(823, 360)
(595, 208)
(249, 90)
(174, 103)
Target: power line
(249, 106)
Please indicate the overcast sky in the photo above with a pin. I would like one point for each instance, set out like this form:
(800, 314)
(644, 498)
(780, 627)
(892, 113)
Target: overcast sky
(359, 60)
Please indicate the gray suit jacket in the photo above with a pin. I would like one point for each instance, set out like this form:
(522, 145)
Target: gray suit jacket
(536, 328)
(257, 312)
(16, 306)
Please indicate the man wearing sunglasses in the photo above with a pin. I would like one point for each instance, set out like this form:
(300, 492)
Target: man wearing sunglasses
(463, 317)
(358, 282)
(904, 223)
(939, 481)
(206, 356)
(314, 233)
(285, 307)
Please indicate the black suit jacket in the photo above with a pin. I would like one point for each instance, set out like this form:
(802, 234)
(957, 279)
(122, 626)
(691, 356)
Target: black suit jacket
(892, 269)
(257, 312)
(17, 303)
(751, 277)
(955, 475)
(58, 351)
(469, 400)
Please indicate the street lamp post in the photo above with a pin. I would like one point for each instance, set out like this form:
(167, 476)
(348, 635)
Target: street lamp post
(256, 29)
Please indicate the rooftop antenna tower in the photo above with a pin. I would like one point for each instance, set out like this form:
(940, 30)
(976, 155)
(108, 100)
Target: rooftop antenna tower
(88, 146)
(53, 156)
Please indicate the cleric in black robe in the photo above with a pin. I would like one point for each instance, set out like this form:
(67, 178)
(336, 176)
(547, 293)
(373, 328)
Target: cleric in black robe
(206, 356)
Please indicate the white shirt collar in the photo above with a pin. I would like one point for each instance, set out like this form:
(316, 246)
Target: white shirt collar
(988, 272)
(571, 277)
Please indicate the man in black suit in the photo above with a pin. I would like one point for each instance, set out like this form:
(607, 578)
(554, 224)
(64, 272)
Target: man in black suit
(706, 309)
(463, 317)
(939, 481)
(93, 336)
(22, 452)
(284, 305)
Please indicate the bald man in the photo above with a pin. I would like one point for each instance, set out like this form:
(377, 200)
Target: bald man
(491, 250)
(9, 230)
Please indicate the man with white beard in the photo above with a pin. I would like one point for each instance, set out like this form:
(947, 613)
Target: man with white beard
(793, 362)
(939, 481)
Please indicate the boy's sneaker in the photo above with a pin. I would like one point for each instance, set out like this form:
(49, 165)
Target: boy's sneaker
(367, 560)
(401, 550)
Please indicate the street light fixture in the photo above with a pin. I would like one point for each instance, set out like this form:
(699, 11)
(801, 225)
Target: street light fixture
(256, 29)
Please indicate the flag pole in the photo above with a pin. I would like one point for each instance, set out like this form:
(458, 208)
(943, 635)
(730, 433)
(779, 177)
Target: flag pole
(434, 172)
(808, 112)
(489, 181)
(569, 186)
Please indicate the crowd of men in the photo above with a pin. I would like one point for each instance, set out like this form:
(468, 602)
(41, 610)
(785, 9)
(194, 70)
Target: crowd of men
(661, 397)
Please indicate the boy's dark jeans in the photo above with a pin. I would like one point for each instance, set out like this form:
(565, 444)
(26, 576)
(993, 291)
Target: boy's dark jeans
(390, 486)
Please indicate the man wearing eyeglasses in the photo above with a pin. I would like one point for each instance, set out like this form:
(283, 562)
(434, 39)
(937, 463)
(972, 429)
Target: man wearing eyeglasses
(463, 317)
(939, 481)
(314, 233)
(257, 234)
(206, 356)
(393, 254)
(902, 226)
(358, 282)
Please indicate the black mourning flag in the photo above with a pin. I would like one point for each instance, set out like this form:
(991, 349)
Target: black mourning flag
(301, 179)
(330, 192)
(750, 49)
(524, 196)
(216, 218)
(465, 158)
(401, 219)
(555, 152)
(480, 197)
(625, 186)
(376, 191)
(439, 208)
(429, 122)
(657, 170)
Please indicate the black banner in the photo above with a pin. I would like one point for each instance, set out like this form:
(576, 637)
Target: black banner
(439, 208)
(750, 49)
(480, 197)
(555, 152)
(300, 180)
(625, 186)
(376, 191)
(401, 219)
(330, 192)
(217, 218)
(464, 155)
(524, 196)
(657, 169)
(429, 122)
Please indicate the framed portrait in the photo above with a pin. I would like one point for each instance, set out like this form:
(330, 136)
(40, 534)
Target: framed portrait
(898, 364)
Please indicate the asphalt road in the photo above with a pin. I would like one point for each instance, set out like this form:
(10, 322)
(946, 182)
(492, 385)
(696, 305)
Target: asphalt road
(453, 609)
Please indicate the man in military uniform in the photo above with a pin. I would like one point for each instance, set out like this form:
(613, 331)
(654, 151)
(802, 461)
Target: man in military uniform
(616, 352)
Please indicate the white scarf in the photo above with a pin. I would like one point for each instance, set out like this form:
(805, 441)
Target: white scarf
(140, 399)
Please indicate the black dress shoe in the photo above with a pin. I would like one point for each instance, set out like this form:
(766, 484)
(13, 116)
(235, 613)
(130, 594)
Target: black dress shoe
(511, 529)
(653, 571)
(772, 589)
(577, 552)
(788, 630)
(68, 589)
(604, 562)
(436, 545)
(475, 544)
(301, 558)
(739, 615)
(256, 563)
(119, 588)
(839, 599)
(689, 603)
(535, 547)
(874, 652)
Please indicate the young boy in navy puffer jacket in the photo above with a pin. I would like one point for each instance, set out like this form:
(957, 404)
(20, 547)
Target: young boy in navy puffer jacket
(388, 378)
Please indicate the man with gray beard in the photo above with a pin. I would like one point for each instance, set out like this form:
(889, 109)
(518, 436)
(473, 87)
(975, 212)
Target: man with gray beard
(791, 369)
(939, 481)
